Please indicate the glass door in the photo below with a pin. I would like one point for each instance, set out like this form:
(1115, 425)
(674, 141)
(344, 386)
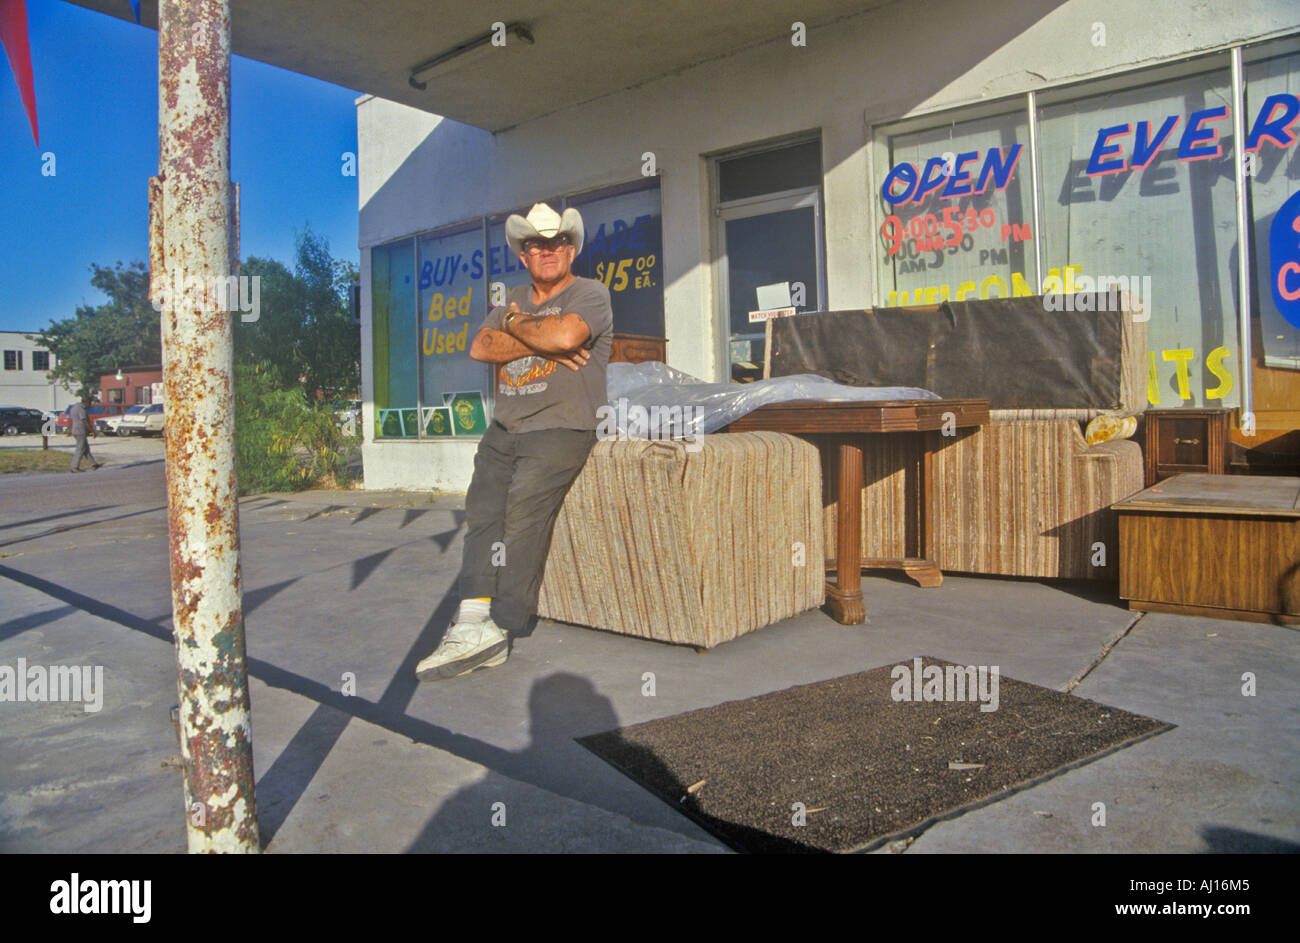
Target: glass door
(765, 241)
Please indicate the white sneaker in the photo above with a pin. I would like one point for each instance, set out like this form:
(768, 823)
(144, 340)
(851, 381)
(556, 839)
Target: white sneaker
(465, 647)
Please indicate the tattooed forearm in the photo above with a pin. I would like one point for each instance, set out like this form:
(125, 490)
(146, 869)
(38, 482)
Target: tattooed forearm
(552, 334)
(494, 346)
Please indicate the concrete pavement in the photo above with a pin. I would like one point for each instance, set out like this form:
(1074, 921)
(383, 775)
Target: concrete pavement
(361, 585)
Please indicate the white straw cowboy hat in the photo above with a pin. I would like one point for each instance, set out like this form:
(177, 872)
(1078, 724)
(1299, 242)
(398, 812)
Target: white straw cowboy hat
(542, 222)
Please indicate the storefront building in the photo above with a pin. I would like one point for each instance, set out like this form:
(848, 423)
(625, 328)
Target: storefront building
(905, 155)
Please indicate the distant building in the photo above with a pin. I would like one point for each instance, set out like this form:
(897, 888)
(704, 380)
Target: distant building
(25, 374)
(135, 385)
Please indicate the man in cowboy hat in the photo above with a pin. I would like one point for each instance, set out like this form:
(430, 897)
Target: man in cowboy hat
(550, 343)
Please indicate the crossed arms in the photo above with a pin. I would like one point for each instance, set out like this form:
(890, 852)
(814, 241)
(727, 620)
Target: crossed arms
(558, 337)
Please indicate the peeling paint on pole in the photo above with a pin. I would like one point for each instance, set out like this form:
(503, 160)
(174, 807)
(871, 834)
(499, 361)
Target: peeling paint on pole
(191, 243)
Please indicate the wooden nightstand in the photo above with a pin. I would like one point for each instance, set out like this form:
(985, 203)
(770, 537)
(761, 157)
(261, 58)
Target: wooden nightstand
(1185, 440)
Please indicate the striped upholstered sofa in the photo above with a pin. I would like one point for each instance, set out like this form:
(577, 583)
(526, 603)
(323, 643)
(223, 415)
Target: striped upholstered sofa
(1025, 495)
(693, 546)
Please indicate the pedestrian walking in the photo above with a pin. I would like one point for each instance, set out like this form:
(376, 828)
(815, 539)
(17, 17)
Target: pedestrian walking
(79, 428)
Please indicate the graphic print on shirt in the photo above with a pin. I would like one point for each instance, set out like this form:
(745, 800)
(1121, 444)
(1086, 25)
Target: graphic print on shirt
(527, 374)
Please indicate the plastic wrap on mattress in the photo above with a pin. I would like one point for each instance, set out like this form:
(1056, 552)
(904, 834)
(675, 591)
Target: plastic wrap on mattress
(652, 400)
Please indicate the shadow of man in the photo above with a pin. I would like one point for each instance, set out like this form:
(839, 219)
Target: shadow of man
(535, 799)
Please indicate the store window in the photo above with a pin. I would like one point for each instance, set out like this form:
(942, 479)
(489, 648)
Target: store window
(623, 248)
(955, 206)
(1139, 183)
(1136, 191)
(393, 324)
(769, 207)
(1273, 168)
(454, 388)
(795, 166)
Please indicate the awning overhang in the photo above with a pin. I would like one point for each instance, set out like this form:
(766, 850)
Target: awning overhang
(582, 49)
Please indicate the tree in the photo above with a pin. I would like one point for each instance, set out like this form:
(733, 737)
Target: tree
(304, 335)
(271, 340)
(99, 340)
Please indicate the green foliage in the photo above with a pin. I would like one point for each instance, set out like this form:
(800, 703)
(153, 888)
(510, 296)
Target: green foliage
(99, 340)
(305, 335)
(303, 342)
(283, 440)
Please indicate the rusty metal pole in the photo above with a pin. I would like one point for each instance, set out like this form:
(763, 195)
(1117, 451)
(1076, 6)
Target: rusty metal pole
(190, 243)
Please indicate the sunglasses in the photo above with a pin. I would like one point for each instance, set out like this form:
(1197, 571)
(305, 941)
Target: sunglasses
(538, 246)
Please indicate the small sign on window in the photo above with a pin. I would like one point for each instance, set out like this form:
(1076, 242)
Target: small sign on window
(757, 317)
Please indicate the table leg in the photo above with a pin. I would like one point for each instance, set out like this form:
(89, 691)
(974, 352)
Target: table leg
(844, 596)
(922, 568)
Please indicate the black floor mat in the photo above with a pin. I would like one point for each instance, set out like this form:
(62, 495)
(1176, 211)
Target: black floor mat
(863, 767)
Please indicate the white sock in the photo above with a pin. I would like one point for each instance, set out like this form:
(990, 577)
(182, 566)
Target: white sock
(475, 610)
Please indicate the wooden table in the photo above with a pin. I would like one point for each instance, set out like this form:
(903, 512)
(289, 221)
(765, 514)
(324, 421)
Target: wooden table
(1223, 546)
(849, 423)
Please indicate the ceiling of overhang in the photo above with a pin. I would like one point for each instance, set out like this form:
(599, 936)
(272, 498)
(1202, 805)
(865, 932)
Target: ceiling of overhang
(583, 49)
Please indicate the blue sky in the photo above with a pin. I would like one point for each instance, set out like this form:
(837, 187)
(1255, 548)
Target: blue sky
(96, 81)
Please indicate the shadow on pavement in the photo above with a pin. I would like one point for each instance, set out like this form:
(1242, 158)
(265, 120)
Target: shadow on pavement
(563, 709)
(560, 706)
(1223, 840)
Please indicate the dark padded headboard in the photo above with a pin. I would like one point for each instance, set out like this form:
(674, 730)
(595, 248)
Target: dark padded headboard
(1011, 351)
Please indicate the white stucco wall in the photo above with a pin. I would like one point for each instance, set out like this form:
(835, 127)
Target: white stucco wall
(418, 171)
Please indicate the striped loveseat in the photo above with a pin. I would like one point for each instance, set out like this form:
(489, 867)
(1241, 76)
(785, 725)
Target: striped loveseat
(689, 544)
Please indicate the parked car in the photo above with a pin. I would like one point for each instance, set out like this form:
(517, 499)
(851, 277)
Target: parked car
(16, 419)
(149, 421)
(94, 412)
(107, 425)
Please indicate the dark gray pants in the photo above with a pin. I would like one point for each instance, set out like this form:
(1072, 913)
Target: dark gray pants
(81, 450)
(519, 484)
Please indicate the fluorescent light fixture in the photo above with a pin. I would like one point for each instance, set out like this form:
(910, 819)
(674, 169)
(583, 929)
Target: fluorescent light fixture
(463, 55)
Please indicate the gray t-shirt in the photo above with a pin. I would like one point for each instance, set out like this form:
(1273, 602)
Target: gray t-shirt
(79, 423)
(534, 393)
